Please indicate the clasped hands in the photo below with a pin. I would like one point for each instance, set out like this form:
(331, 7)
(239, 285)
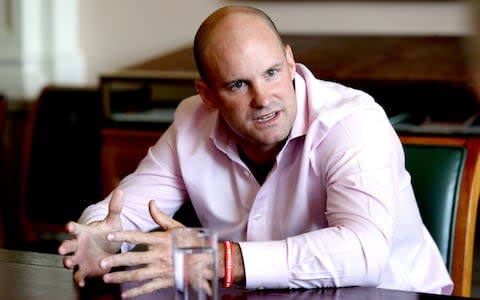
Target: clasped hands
(93, 250)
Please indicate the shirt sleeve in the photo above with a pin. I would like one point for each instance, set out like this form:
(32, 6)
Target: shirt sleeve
(154, 178)
(331, 257)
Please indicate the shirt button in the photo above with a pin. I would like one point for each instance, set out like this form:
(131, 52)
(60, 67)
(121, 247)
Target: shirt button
(246, 173)
(257, 217)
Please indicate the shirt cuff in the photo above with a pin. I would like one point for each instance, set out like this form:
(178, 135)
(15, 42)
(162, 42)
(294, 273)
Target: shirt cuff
(265, 264)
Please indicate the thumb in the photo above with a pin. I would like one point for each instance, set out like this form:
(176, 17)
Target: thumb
(115, 205)
(162, 219)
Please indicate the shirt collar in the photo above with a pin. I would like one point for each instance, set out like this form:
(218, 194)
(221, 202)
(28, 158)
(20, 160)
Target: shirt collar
(300, 125)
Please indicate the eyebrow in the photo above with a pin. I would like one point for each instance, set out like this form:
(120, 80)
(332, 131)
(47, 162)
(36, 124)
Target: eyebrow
(275, 66)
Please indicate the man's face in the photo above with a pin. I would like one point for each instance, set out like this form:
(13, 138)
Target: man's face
(250, 77)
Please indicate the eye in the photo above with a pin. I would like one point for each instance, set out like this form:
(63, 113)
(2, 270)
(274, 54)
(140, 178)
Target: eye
(272, 72)
(237, 85)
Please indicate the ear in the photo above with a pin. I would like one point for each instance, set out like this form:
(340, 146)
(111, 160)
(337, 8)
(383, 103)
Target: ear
(205, 92)
(290, 60)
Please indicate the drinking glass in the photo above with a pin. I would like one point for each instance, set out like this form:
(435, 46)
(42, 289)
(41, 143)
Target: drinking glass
(195, 263)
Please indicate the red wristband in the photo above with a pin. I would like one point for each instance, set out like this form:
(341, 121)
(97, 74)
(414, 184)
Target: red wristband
(228, 281)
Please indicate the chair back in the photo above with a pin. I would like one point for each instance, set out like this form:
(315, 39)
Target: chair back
(445, 174)
(436, 174)
(3, 173)
(61, 159)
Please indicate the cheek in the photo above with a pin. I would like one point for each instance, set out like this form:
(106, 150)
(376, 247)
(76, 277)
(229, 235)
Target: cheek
(286, 90)
(230, 111)
(235, 105)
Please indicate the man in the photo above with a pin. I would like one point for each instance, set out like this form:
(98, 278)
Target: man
(306, 177)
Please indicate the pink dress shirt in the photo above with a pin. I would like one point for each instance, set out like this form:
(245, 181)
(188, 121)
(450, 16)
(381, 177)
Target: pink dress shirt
(337, 209)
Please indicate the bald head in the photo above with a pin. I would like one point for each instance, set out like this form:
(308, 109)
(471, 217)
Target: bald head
(227, 23)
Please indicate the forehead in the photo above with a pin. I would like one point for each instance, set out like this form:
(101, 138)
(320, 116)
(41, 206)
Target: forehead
(242, 42)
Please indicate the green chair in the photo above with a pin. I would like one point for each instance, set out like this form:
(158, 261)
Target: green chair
(440, 167)
(446, 180)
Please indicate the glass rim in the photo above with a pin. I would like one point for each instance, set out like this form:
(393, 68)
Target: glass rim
(190, 230)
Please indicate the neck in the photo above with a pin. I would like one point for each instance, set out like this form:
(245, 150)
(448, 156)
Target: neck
(260, 170)
(260, 156)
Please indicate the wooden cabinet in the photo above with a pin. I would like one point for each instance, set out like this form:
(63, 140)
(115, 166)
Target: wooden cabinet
(423, 77)
(121, 152)
(415, 78)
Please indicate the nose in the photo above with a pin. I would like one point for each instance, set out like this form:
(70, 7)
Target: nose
(260, 95)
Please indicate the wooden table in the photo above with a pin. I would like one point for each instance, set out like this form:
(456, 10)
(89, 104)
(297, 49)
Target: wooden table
(32, 276)
(28, 275)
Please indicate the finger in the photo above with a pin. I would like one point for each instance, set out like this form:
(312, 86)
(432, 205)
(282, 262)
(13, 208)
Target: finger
(206, 284)
(127, 259)
(151, 286)
(206, 287)
(68, 246)
(69, 263)
(137, 274)
(73, 228)
(115, 205)
(79, 277)
(162, 219)
(134, 237)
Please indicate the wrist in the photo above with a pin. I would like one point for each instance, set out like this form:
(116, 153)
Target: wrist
(228, 261)
(238, 268)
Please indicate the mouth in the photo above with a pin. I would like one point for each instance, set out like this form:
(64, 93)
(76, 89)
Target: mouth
(267, 118)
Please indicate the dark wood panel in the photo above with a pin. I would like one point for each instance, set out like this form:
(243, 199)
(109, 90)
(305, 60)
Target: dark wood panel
(381, 58)
(345, 58)
(424, 77)
(121, 152)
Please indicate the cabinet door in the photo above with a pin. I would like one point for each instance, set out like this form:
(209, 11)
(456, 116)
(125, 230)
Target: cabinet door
(122, 150)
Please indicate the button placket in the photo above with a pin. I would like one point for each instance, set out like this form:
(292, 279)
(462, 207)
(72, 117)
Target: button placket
(256, 224)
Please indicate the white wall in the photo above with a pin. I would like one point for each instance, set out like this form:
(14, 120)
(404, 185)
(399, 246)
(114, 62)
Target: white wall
(38, 45)
(88, 37)
(116, 33)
